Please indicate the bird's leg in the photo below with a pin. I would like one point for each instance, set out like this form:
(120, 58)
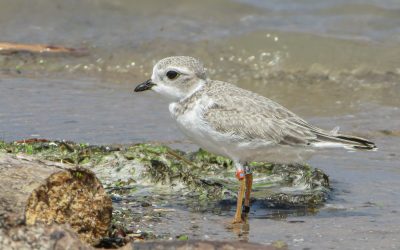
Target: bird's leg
(249, 184)
(238, 214)
(240, 174)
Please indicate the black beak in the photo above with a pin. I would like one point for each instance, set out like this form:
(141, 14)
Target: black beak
(144, 86)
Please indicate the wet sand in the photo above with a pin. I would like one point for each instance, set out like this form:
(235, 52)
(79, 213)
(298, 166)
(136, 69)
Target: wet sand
(335, 63)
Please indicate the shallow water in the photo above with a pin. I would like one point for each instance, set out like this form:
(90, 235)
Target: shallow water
(332, 62)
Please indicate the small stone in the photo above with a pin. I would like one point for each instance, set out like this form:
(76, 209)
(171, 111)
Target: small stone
(145, 204)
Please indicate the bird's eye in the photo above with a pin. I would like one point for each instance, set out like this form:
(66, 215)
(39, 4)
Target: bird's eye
(172, 74)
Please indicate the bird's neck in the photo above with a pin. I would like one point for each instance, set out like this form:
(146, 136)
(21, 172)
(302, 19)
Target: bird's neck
(196, 88)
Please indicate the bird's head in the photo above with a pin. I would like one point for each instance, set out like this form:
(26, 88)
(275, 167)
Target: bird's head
(176, 77)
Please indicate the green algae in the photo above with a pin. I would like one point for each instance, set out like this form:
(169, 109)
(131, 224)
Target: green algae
(200, 177)
(182, 237)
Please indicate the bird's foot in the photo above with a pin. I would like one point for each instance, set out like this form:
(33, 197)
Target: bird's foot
(242, 218)
(237, 220)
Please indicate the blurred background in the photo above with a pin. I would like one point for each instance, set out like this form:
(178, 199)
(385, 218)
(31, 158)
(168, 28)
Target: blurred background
(319, 58)
(333, 62)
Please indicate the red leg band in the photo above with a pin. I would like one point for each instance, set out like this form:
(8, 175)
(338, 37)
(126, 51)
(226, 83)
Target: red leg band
(240, 174)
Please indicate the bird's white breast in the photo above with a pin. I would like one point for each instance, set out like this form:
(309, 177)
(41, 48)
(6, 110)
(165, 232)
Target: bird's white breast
(193, 125)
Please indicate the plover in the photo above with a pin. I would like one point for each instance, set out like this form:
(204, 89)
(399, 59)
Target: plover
(239, 124)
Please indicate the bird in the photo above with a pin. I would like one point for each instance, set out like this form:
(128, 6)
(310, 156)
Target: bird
(244, 126)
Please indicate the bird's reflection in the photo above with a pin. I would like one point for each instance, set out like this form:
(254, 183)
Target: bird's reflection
(241, 230)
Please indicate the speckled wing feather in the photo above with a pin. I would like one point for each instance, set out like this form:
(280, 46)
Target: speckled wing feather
(250, 116)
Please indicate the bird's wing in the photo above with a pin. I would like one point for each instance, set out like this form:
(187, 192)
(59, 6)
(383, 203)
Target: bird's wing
(249, 116)
(253, 117)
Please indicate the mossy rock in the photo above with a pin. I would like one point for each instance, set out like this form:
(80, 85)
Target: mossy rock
(201, 177)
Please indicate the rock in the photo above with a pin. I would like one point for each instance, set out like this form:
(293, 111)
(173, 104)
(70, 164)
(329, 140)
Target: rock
(15, 235)
(38, 191)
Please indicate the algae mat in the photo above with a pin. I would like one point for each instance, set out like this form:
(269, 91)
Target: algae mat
(148, 181)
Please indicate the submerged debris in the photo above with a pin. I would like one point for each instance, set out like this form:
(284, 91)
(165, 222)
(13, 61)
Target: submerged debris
(14, 48)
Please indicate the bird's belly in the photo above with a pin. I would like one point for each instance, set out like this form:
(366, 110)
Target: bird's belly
(205, 138)
(245, 151)
(255, 151)
(196, 129)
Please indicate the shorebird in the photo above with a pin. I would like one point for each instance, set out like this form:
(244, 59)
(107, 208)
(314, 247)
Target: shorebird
(239, 124)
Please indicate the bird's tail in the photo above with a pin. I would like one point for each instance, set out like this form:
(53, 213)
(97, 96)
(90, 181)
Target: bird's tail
(357, 142)
(348, 141)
